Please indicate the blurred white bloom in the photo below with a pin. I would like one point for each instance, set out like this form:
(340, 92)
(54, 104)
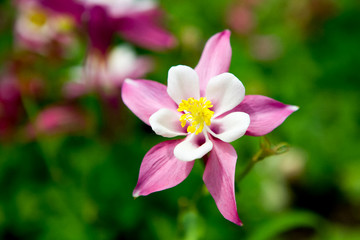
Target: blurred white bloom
(107, 75)
(35, 27)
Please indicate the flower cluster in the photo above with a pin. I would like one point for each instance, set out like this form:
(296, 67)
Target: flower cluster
(53, 30)
(137, 22)
(204, 107)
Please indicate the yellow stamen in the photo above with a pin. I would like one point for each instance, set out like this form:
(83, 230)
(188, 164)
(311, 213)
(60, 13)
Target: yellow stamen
(196, 113)
(38, 17)
(65, 23)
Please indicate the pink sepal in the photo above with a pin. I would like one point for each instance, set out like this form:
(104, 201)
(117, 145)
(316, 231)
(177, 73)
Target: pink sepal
(142, 28)
(145, 97)
(160, 169)
(266, 114)
(215, 58)
(219, 177)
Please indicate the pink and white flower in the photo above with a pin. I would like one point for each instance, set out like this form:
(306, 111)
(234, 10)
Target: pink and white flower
(107, 73)
(208, 106)
(136, 21)
(36, 28)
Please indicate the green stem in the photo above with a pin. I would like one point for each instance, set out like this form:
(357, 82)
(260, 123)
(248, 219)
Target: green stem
(256, 158)
(31, 111)
(265, 151)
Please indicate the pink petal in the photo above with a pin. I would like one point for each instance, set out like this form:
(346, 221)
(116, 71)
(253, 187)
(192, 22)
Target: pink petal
(142, 28)
(160, 169)
(219, 179)
(70, 7)
(100, 29)
(144, 98)
(266, 114)
(215, 58)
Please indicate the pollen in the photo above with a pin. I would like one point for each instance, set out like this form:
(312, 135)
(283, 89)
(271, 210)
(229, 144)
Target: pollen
(196, 113)
(38, 17)
(65, 23)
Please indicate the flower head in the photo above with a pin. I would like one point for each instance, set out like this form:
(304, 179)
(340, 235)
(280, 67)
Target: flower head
(196, 113)
(38, 29)
(58, 119)
(208, 106)
(107, 73)
(135, 21)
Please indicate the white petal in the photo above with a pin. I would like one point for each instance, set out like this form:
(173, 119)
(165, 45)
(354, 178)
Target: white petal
(183, 83)
(225, 91)
(165, 122)
(121, 61)
(193, 147)
(230, 127)
(119, 8)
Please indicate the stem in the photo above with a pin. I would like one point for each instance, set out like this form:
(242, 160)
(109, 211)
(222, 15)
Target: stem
(256, 158)
(30, 110)
(265, 151)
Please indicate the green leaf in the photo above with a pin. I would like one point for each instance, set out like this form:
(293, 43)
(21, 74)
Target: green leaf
(287, 221)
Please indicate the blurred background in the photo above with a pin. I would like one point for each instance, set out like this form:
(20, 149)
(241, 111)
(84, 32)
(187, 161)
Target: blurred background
(70, 150)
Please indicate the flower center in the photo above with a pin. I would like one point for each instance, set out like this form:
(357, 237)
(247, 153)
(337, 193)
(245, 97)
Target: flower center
(197, 113)
(65, 23)
(38, 18)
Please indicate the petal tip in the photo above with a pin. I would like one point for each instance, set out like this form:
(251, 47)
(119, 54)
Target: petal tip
(136, 194)
(293, 108)
(224, 35)
(226, 32)
(237, 221)
(129, 81)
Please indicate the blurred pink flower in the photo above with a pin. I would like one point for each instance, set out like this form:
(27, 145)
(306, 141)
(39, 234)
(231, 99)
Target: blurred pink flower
(207, 105)
(265, 47)
(135, 21)
(58, 120)
(37, 29)
(241, 19)
(106, 75)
